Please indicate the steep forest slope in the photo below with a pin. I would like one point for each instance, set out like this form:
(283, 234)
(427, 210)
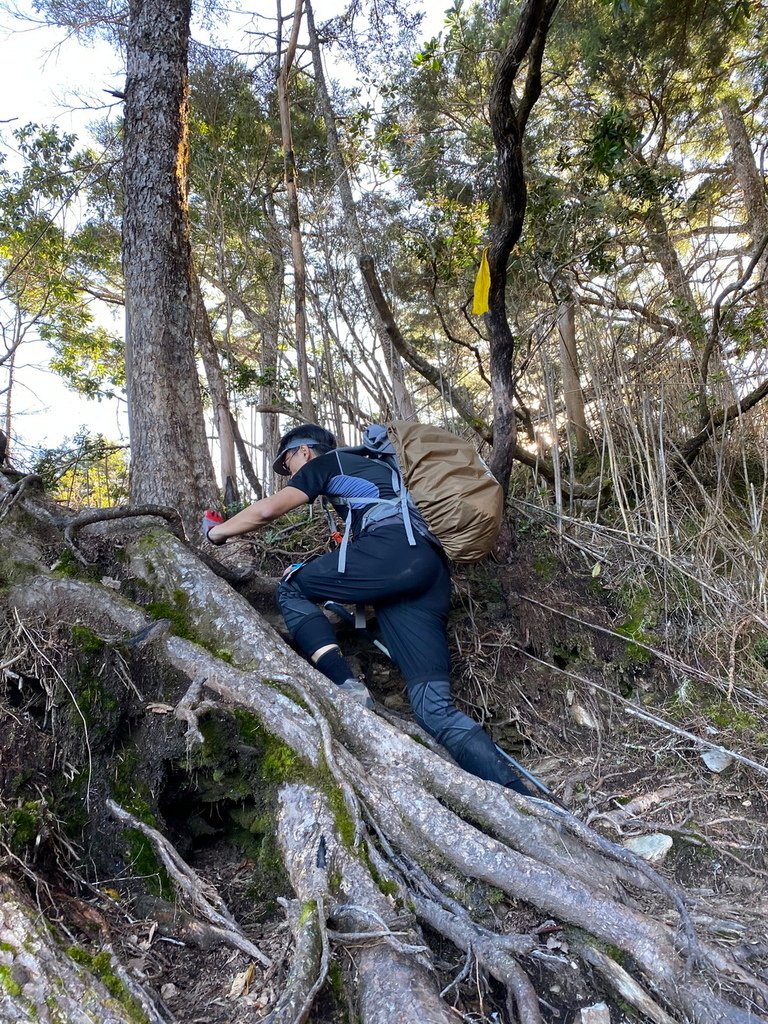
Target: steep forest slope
(195, 827)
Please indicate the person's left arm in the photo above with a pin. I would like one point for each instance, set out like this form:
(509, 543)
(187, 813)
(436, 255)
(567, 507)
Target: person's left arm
(260, 513)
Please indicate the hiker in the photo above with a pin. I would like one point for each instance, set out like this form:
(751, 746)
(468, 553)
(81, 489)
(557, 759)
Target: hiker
(408, 585)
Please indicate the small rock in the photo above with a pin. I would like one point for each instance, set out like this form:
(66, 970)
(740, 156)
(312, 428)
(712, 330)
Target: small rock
(716, 760)
(596, 1014)
(111, 582)
(169, 991)
(653, 848)
(582, 717)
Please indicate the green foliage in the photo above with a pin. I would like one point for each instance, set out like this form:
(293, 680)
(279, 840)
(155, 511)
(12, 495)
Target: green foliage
(55, 251)
(85, 470)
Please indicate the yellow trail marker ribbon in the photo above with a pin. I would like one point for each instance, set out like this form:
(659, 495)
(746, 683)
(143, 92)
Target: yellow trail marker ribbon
(482, 286)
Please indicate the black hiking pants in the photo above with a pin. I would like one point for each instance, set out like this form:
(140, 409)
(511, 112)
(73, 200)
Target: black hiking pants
(410, 589)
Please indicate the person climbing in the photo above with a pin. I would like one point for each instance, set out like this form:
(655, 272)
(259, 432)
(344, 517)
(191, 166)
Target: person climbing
(409, 587)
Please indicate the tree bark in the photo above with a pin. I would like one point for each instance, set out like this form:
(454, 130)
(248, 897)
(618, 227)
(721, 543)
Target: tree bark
(747, 173)
(39, 981)
(217, 388)
(170, 460)
(569, 368)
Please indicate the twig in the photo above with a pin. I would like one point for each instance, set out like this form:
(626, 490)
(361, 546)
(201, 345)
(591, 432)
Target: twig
(633, 709)
(636, 712)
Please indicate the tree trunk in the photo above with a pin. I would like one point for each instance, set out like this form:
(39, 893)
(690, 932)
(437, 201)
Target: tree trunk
(269, 393)
(508, 118)
(217, 388)
(747, 172)
(569, 368)
(291, 187)
(170, 460)
(404, 407)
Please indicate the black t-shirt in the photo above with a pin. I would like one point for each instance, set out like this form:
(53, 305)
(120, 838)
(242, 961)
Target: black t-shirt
(356, 478)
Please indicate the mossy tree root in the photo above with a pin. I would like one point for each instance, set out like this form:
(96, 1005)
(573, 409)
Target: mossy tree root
(40, 981)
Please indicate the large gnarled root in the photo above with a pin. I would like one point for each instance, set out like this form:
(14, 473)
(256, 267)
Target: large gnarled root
(394, 980)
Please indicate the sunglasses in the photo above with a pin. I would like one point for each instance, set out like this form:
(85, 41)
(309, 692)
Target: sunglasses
(287, 459)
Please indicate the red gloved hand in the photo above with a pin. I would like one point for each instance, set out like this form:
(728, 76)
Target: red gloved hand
(212, 518)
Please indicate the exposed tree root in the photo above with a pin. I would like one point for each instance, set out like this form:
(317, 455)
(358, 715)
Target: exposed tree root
(394, 981)
(41, 981)
(624, 984)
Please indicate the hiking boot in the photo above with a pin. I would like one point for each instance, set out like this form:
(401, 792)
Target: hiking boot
(357, 691)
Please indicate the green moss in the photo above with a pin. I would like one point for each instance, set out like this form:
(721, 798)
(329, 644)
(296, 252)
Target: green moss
(385, 885)
(715, 708)
(545, 566)
(86, 640)
(336, 983)
(144, 862)
(20, 826)
(724, 715)
(250, 727)
(345, 823)
(130, 789)
(308, 909)
(279, 762)
(7, 947)
(760, 650)
(177, 613)
(8, 983)
(12, 573)
(100, 965)
(640, 617)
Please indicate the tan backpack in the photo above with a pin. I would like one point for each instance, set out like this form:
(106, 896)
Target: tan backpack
(447, 481)
(451, 486)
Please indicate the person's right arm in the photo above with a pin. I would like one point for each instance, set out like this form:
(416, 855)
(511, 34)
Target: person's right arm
(259, 514)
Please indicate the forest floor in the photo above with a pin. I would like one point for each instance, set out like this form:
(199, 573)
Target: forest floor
(540, 659)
